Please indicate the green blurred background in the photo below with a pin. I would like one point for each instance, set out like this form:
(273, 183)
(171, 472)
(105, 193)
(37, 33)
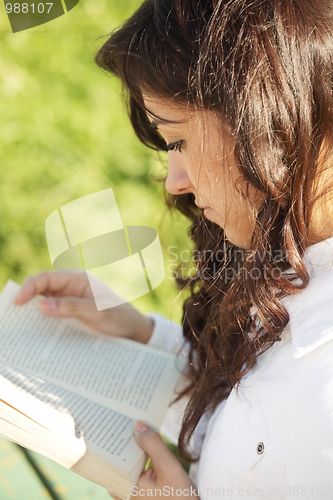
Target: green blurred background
(65, 134)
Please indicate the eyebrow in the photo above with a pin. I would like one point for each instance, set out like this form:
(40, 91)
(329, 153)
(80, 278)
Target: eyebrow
(158, 120)
(162, 121)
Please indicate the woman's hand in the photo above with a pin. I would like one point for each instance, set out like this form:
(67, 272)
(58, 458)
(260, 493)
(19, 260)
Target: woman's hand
(70, 295)
(165, 474)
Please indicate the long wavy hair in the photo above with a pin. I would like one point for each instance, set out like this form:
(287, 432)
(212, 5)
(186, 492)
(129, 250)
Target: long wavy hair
(266, 68)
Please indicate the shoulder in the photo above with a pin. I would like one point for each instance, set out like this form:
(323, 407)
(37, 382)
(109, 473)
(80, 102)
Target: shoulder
(291, 391)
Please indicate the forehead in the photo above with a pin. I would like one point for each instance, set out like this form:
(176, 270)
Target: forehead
(164, 112)
(167, 112)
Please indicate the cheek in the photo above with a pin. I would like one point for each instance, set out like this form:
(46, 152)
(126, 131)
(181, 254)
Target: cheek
(234, 198)
(244, 206)
(194, 168)
(208, 177)
(225, 188)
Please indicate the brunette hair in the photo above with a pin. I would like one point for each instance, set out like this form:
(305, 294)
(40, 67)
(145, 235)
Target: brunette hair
(266, 67)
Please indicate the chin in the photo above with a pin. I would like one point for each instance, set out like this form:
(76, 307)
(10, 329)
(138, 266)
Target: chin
(213, 217)
(240, 243)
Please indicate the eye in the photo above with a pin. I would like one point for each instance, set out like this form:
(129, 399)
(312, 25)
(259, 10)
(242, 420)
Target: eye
(174, 146)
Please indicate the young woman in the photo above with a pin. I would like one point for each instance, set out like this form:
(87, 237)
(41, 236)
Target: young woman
(240, 95)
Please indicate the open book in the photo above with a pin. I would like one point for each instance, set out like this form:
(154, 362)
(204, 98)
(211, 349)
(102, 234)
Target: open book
(73, 394)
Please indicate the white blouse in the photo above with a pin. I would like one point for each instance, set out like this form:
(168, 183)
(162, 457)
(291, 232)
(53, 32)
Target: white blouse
(274, 438)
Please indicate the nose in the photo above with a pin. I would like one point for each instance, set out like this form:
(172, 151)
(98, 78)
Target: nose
(177, 181)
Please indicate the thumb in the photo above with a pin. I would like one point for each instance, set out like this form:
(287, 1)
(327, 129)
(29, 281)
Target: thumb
(153, 445)
(67, 306)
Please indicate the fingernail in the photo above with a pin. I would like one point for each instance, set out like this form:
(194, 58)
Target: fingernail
(49, 305)
(141, 427)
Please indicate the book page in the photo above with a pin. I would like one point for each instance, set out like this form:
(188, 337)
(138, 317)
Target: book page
(83, 423)
(131, 378)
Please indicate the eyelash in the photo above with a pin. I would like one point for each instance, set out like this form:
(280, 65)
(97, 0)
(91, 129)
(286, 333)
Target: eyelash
(174, 146)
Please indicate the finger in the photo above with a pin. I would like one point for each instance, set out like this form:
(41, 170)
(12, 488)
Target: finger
(68, 307)
(26, 292)
(147, 479)
(53, 283)
(160, 455)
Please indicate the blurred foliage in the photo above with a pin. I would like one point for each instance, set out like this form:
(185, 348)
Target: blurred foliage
(65, 134)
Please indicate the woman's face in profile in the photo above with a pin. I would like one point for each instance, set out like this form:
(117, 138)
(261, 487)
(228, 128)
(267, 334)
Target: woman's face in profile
(202, 162)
